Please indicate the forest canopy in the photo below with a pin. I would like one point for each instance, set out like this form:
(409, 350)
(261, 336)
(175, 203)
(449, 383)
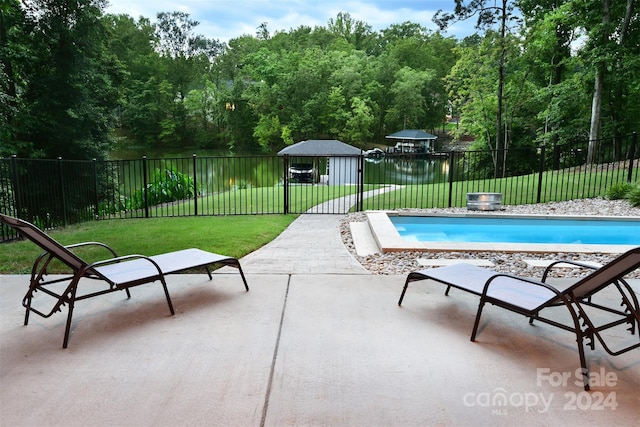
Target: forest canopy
(76, 82)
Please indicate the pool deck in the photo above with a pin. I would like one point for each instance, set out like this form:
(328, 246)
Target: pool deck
(299, 350)
(389, 240)
(318, 340)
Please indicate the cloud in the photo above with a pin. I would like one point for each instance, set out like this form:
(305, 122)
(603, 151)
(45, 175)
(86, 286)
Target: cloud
(231, 19)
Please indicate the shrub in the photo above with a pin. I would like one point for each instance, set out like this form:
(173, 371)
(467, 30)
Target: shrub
(619, 191)
(634, 196)
(167, 186)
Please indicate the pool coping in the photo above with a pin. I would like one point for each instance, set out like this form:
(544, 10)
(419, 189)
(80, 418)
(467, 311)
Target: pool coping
(389, 240)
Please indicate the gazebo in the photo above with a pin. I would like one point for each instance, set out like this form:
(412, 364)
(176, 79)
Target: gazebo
(412, 141)
(342, 159)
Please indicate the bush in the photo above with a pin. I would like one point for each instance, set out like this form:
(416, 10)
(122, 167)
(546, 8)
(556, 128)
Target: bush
(634, 196)
(167, 186)
(619, 191)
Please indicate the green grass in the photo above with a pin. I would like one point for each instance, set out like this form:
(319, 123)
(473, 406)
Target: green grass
(258, 200)
(555, 186)
(229, 235)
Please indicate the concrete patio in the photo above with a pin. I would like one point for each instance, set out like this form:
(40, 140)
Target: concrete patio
(307, 345)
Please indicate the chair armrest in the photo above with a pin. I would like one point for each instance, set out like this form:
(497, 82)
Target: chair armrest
(120, 259)
(520, 279)
(558, 262)
(123, 258)
(107, 247)
(38, 271)
(557, 294)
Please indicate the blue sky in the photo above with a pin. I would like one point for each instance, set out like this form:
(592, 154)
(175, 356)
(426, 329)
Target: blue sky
(224, 20)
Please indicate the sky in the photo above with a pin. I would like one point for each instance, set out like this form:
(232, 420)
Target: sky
(228, 19)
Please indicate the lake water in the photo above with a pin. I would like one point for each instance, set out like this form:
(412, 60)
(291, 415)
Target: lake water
(165, 153)
(403, 170)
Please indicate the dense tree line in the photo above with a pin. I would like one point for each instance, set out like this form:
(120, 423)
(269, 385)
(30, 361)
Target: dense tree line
(76, 81)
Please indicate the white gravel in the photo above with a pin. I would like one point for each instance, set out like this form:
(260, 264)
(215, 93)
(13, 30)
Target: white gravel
(404, 262)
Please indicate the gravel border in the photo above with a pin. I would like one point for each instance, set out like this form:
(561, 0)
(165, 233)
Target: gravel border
(401, 263)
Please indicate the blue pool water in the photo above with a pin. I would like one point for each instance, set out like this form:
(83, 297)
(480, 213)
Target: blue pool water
(517, 230)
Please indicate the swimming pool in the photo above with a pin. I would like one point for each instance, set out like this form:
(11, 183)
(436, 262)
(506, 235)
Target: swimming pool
(517, 230)
(398, 232)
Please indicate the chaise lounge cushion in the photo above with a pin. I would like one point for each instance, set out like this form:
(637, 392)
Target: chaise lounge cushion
(169, 263)
(516, 291)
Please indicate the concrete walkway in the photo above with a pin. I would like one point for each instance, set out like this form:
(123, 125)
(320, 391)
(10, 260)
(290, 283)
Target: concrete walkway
(316, 341)
(310, 245)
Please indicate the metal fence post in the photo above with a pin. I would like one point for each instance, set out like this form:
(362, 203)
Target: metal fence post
(360, 197)
(195, 187)
(285, 168)
(144, 186)
(451, 171)
(96, 208)
(632, 155)
(64, 199)
(16, 186)
(540, 172)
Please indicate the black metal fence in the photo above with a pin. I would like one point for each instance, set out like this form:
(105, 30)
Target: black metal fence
(535, 175)
(60, 192)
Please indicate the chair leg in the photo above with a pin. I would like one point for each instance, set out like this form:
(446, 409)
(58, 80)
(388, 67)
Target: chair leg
(27, 308)
(235, 264)
(580, 338)
(28, 298)
(411, 277)
(630, 300)
(166, 293)
(246, 286)
(404, 290)
(71, 292)
(477, 322)
(583, 360)
(67, 329)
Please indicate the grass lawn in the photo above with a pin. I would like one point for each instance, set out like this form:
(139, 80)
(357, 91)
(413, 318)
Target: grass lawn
(553, 186)
(235, 236)
(255, 200)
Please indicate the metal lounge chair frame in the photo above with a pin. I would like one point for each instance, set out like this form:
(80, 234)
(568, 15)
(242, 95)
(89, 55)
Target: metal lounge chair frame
(118, 273)
(530, 297)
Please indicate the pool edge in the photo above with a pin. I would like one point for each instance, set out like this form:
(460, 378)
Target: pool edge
(389, 240)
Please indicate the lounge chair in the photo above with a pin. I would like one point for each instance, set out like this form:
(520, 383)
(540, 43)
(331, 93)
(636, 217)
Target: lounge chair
(117, 273)
(530, 297)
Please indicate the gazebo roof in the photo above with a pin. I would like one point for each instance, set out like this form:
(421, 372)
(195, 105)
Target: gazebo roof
(320, 148)
(414, 134)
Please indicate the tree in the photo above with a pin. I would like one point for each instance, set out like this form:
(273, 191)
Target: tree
(549, 34)
(357, 33)
(206, 107)
(147, 96)
(134, 44)
(335, 116)
(262, 32)
(598, 87)
(188, 58)
(70, 92)
(357, 130)
(471, 85)
(411, 97)
(489, 13)
(609, 30)
(12, 54)
(269, 132)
